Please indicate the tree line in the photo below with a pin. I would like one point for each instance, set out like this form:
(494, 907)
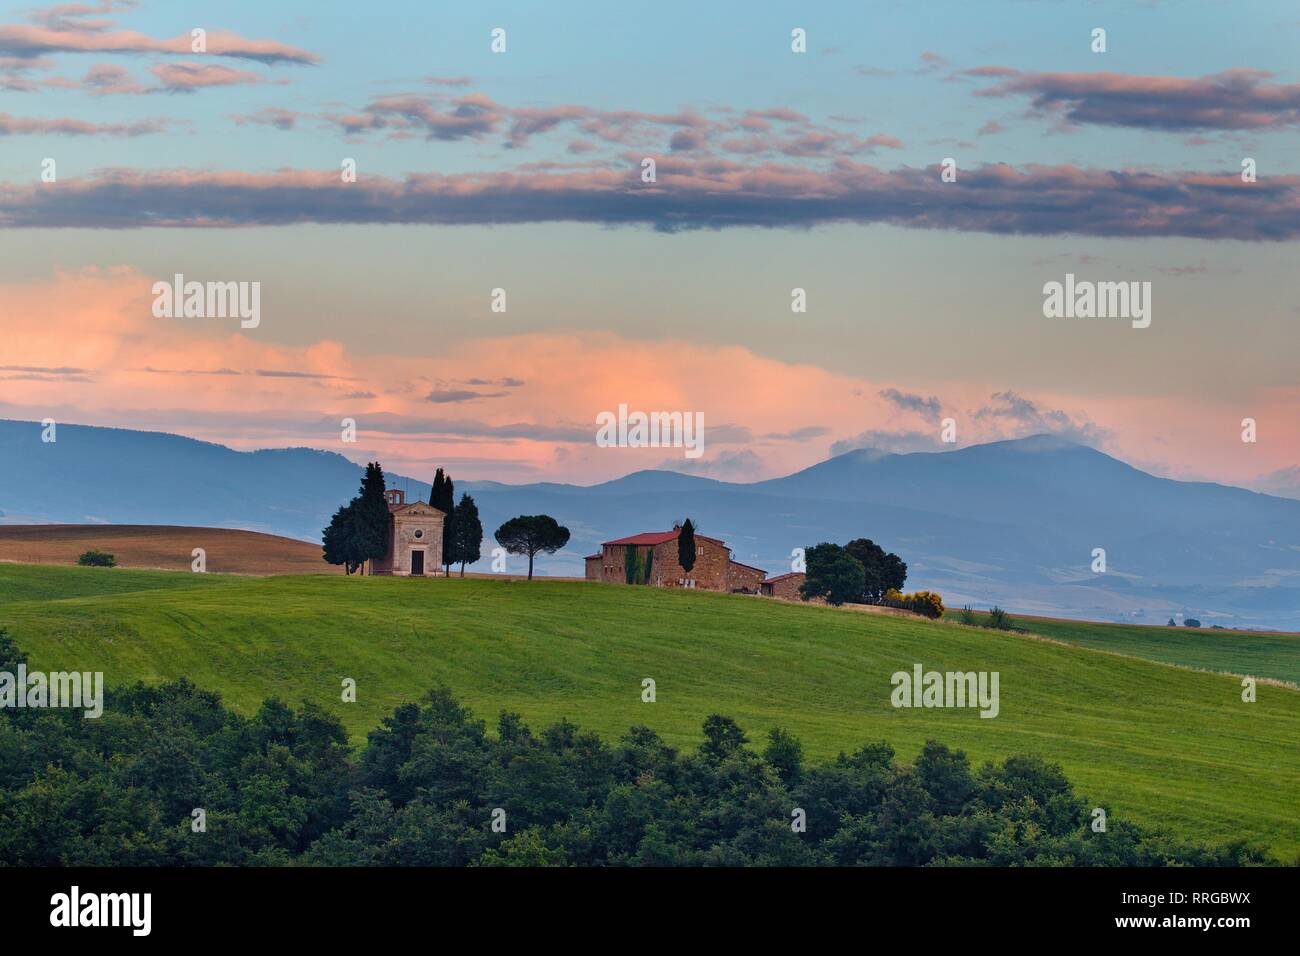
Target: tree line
(170, 776)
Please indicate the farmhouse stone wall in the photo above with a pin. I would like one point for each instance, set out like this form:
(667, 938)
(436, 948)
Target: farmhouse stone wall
(709, 571)
(612, 566)
(785, 586)
(744, 579)
(713, 569)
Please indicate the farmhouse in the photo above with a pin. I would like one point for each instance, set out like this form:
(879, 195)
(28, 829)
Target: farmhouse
(784, 586)
(414, 538)
(651, 558)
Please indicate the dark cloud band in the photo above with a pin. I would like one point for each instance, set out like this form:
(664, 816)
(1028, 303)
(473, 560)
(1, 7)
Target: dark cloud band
(712, 194)
(1240, 99)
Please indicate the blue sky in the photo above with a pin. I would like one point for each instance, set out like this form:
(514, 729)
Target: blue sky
(777, 170)
(678, 55)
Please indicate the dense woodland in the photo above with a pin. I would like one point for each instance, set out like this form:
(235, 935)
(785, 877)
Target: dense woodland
(285, 788)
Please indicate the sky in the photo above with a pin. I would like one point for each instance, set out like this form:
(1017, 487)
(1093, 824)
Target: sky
(129, 154)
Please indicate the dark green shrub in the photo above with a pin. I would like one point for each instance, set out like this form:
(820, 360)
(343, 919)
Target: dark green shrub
(832, 573)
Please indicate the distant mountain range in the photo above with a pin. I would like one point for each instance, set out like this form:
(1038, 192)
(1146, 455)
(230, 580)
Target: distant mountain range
(1012, 523)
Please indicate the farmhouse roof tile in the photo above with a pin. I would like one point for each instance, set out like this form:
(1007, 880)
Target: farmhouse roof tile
(782, 577)
(657, 537)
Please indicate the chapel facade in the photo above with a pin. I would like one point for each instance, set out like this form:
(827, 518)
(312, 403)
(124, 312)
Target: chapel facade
(414, 538)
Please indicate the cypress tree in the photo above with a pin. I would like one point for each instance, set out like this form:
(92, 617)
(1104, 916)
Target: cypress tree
(467, 532)
(436, 500)
(447, 504)
(435, 493)
(686, 546)
(358, 531)
(371, 517)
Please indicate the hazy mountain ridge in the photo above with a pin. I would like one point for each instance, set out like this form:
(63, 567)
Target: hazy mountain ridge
(1010, 522)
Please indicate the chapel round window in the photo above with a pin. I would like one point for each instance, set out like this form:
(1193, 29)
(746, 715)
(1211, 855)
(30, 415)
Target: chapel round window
(419, 532)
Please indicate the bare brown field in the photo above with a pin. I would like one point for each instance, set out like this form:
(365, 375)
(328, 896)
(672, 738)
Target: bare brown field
(167, 547)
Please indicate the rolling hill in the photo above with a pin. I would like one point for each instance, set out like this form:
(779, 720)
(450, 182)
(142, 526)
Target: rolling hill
(1275, 656)
(166, 547)
(1013, 523)
(1167, 745)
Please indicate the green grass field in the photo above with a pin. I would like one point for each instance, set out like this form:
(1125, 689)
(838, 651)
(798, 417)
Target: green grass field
(1276, 656)
(1165, 745)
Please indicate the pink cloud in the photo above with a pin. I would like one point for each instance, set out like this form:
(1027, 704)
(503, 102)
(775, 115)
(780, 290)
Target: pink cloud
(105, 78)
(475, 116)
(70, 16)
(268, 116)
(1232, 99)
(102, 358)
(18, 126)
(30, 41)
(187, 76)
(880, 139)
(469, 116)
